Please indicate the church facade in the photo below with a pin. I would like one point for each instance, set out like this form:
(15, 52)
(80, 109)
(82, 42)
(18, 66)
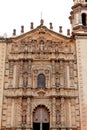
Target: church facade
(43, 76)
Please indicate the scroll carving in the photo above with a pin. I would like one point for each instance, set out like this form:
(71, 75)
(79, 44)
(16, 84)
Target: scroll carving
(40, 45)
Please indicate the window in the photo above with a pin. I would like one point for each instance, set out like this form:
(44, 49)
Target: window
(41, 81)
(84, 19)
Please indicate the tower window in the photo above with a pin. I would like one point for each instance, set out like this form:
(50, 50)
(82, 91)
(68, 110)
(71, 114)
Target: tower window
(41, 81)
(84, 19)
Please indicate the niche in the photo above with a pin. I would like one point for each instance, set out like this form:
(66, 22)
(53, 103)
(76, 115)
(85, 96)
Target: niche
(84, 19)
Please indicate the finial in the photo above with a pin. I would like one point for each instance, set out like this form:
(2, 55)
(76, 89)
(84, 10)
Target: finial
(68, 32)
(31, 27)
(60, 29)
(14, 32)
(51, 27)
(22, 29)
(41, 21)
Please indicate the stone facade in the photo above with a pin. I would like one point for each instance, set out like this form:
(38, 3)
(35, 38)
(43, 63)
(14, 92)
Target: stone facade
(41, 52)
(2, 69)
(43, 77)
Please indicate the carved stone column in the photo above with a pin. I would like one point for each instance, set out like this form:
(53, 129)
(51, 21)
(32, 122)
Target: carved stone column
(14, 76)
(19, 109)
(73, 114)
(61, 74)
(28, 111)
(9, 103)
(20, 74)
(31, 115)
(35, 79)
(65, 74)
(75, 76)
(71, 64)
(54, 111)
(80, 19)
(62, 112)
(57, 74)
(47, 81)
(10, 73)
(29, 73)
(12, 112)
(53, 73)
(24, 111)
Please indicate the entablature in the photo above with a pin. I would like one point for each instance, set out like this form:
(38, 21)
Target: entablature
(42, 56)
(41, 93)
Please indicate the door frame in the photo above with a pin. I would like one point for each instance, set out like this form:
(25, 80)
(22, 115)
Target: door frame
(45, 112)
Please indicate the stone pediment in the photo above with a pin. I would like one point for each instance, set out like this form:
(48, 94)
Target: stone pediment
(40, 43)
(41, 33)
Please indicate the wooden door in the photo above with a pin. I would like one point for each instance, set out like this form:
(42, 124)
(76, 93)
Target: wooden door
(41, 117)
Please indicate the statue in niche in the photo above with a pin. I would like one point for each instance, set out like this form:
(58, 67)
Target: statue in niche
(57, 80)
(60, 46)
(24, 115)
(66, 48)
(41, 45)
(25, 79)
(45, 48)
(33, 47)
(21, 48)
(56, 47)
(25, 47)
(49, 45)
(58, 116)
(25, 66)
(15, 50)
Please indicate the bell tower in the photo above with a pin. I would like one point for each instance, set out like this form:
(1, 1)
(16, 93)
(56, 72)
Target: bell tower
(78, 16)
(78, 20)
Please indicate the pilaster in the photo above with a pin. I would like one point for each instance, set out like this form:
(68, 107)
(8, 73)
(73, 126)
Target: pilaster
(2, 70)
(29, 73)
(53, 73)
(54, 111)
(20, 74)
(11, 74)
(61, 74)
(73, 112)
(71, 67)
(28, 111)
(62, 112)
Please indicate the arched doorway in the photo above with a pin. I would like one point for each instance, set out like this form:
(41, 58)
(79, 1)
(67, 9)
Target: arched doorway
(41, 119)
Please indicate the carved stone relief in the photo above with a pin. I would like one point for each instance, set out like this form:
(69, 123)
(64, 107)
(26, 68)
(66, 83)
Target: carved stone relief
(52, 58)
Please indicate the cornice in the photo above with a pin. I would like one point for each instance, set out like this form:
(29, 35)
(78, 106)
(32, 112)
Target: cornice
(79, 5)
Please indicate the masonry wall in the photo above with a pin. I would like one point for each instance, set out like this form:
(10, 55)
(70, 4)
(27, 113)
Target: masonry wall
(81, 48)
(2, 67)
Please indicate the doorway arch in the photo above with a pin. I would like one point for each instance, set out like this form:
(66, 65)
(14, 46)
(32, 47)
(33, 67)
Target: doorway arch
(41, 118)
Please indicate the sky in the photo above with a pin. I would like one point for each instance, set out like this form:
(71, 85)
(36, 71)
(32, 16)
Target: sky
(14, 13)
